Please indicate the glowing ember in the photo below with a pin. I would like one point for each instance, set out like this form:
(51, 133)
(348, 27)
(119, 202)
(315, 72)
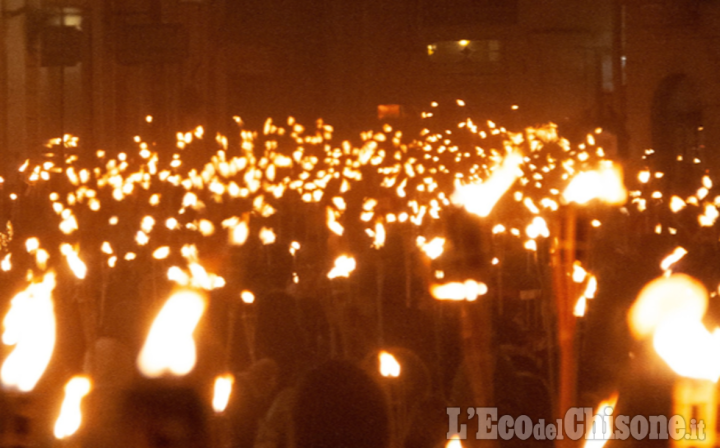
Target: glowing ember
(389, 366)
(70, 416)
(468, 290)
(222, 390)
(30, 327)
(344, 265)
(170, 347)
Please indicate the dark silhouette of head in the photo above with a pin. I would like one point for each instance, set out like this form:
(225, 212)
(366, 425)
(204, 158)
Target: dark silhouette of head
(338, 405)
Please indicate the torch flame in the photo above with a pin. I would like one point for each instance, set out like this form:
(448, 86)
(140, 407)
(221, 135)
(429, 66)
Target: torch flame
(605, 184)
(671, 310)
(580, 306)
(74, 261)
(673, 258)
(222, 390)
(432, 248)
(598, 434)
(454, 442)
(389, 366)
(344, 265)
(468, 290)
(30, 327)
(70, 413)
(170, 347)
(480, 198)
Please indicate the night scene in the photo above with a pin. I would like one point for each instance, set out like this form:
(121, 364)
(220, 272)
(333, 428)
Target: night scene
(359, 223)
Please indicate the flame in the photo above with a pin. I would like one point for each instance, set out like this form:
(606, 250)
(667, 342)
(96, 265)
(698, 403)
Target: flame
(380, 235)
(454, 442)
(222, 390)
(344, 265)
(538, 227)
(30, 327)
(332, 223)
(673, 258)
(247, 297)
(676, 204)
(599, 437)
(579, 273)
(580, 307)
(70, 416)
(267, 236)
(469, 290)
(6, 264)
(432, 249)
(389, 366)
(604, 183)
(480, 198)
(670, 309)
(591, 287)
(74, 261)
(170, 347)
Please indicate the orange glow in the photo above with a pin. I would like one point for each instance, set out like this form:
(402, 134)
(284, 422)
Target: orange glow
(70, 417)
(605, 184)
(480, 198)
(344, 265)
(580, 306)
(468, 290)
(170, 347)
(30, 327)
(670, 309)
(222, 390)
(389, 366)
(673, 258)
(604, 411)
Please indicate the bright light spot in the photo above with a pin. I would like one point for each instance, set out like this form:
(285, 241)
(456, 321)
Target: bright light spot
(673, 258)
(267, 236)
(161, 253)
(468, 290)
(74, 261)
(30, 327)
(70, 416)
(221, 394)
(605, 184)
(344, 265)
(247, 297)
(389, 366)
(480, 198)
(170, 347)
(671, 309)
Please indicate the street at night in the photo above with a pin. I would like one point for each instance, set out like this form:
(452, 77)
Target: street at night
(371, 224)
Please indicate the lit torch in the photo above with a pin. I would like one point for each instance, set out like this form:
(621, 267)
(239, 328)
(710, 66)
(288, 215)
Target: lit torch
(222, 390)
(70, 413)
(480, 198)
(389, 366)
(170, 347)
(30, 327)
